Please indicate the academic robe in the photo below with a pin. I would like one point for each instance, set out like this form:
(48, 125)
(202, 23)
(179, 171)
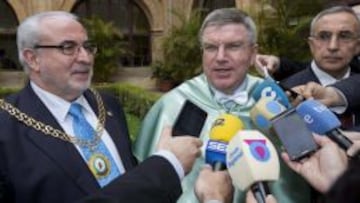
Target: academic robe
(290, 187)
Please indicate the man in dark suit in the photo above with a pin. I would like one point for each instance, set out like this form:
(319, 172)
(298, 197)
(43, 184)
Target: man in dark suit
(59, 140)
(333, 41)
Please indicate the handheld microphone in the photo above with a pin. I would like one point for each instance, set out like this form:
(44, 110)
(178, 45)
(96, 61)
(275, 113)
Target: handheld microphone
(270, 89)
(252, 160)
(321, 120)
(263, 111)
(222, 130)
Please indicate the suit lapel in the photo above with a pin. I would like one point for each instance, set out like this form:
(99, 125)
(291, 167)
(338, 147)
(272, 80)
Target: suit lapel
(311, 75)
(63, 153)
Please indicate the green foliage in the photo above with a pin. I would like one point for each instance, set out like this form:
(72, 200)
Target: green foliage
(5, 91)
(134, 123)
(284, 27)
(109, 40)
(159, 71)
(182, 54)
(135, 100)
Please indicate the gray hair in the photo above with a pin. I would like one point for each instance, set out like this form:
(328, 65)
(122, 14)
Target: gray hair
(226, 16)
(29, 31)
(333, 10)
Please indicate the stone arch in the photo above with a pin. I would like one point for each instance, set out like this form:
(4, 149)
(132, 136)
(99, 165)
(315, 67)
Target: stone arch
(154, 12)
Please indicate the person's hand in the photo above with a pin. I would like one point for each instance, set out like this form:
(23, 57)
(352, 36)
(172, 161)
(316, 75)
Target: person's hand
(185, 148)
(270, 62)
(214, 185)
(295, 97)
(323, 168)
(354, 136)
(329, 96)
(251, 199)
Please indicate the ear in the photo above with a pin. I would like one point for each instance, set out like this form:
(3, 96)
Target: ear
(31, 59)
(311, 44)
(357, 49)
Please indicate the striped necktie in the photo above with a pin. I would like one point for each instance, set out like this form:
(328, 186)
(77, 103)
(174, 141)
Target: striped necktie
(98, 159)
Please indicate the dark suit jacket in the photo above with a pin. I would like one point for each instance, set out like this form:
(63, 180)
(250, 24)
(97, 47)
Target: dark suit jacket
(35, 167)
(289, 67)
(154, 180)
(350, 87)
(346, 188)
(308, 75)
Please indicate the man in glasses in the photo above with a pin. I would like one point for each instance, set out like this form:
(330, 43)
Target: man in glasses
(60, 140)
(229, 44)
(334, 40)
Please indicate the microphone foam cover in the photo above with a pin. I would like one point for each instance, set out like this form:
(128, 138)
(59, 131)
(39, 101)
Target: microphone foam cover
(225, 127)
(251, 158)
(264, 110)
(271, 90)
(317, 117)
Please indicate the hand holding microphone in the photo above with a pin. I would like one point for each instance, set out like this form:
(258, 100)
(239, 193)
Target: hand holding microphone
(323, 168)
(252, 161)
(214, 185)
(222, 130)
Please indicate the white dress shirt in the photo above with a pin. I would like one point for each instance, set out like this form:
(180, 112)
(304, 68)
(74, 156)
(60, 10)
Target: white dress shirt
(59, 108)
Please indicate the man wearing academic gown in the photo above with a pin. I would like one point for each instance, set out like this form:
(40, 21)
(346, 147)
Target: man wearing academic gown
(228, 39)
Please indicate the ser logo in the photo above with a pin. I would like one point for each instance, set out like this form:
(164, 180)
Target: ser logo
(268, 92)
(216, 146)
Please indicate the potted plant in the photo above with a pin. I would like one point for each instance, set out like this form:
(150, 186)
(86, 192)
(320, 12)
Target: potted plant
(182, 54)
(163, 76)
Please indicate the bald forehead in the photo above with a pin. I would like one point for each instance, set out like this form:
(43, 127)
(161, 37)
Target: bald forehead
(60, 28)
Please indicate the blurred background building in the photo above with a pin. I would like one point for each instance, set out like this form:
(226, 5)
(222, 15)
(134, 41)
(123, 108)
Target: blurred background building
(143, 22)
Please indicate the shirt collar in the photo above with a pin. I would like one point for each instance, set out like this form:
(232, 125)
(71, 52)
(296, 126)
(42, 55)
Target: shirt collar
(56, 105)
(325, 78)
(240, 95)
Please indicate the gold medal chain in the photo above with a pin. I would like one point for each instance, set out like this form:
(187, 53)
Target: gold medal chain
(49, 130)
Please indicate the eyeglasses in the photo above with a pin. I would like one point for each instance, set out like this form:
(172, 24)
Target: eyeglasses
(343, 37)
(228, 47)
(71, 47)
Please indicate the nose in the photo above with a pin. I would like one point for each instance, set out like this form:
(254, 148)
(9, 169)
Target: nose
(221, 54)
(333, 44)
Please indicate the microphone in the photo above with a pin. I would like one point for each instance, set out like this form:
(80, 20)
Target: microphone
(269, 88)
(252, 161)
(263, 111)
(222, 130)
(321, 120)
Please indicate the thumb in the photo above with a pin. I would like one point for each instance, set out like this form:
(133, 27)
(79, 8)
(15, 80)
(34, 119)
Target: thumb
(164, 137)
(321, 139)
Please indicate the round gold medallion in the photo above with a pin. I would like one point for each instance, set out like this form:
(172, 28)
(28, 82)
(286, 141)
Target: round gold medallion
(99, 165)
